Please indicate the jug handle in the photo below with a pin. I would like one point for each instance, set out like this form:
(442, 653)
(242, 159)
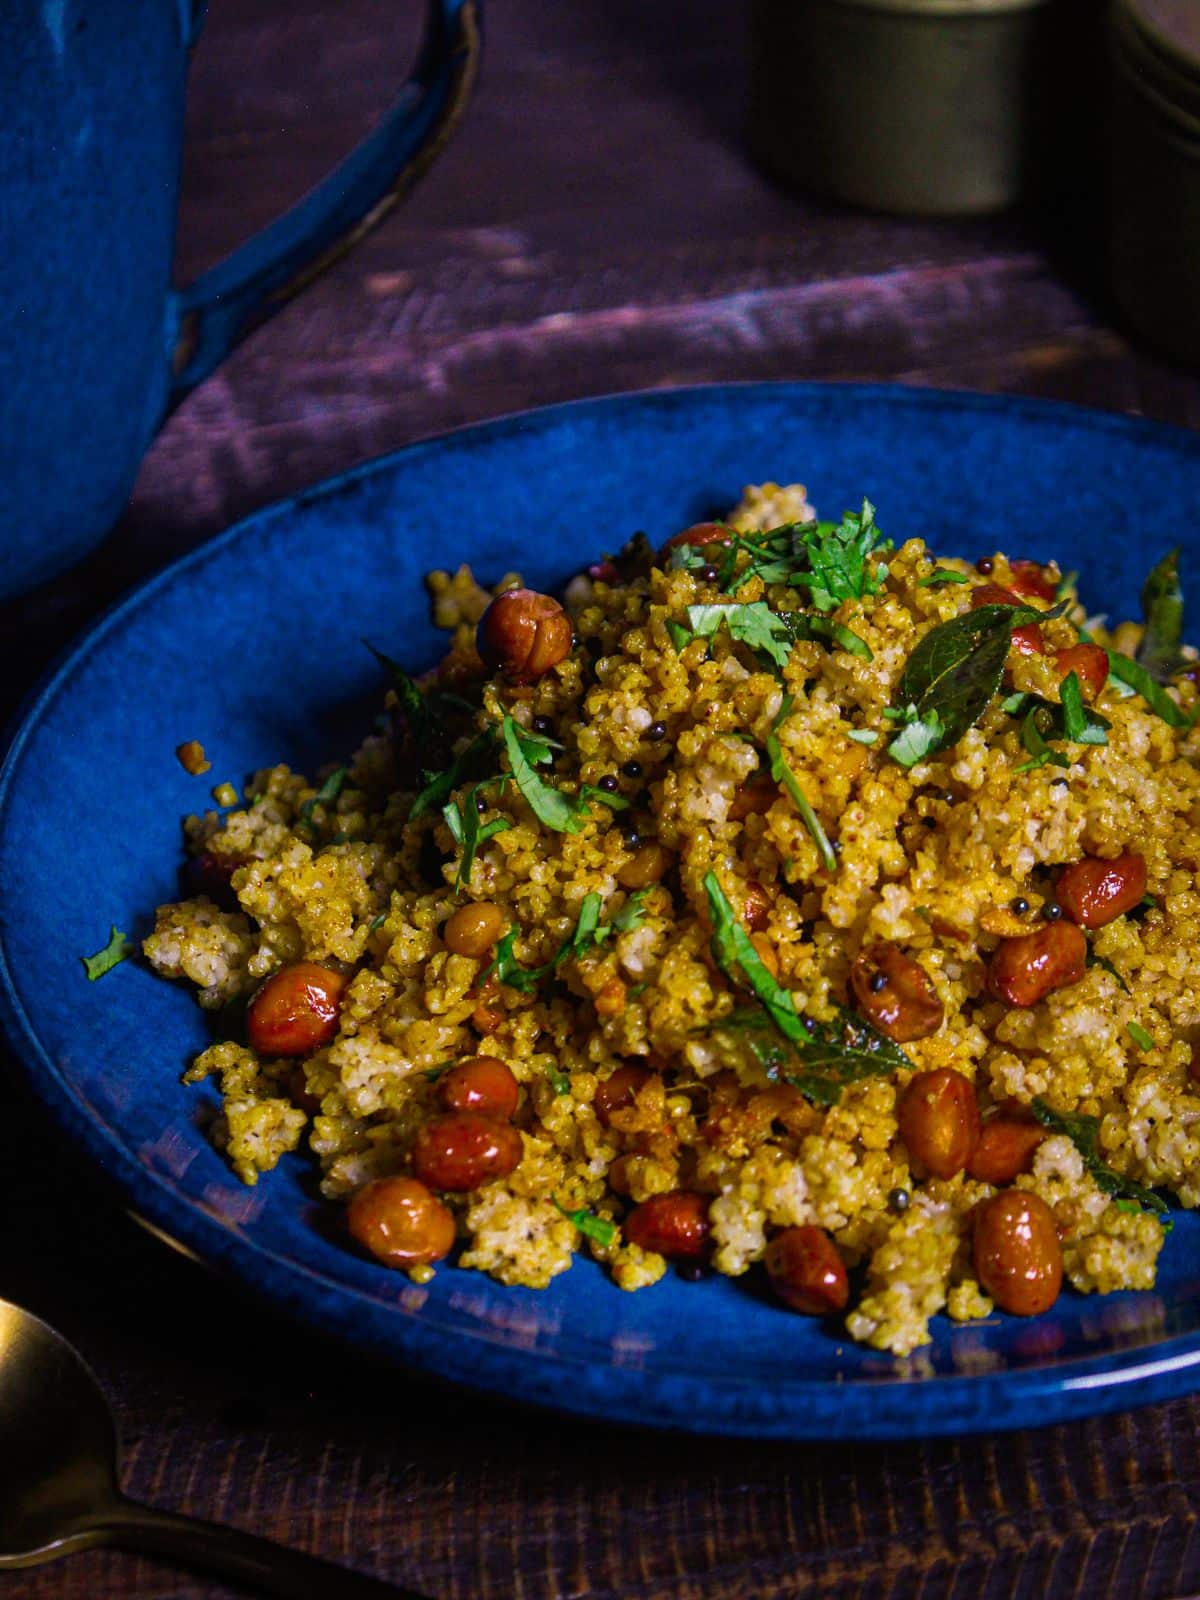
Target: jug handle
(207, 318)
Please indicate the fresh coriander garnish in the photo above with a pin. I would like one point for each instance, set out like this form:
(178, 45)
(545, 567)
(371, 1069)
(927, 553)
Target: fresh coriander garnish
(1093, 960)
(863, 735)
(1136, 676)
(828, 1055)
(1084, 1133)
(829, 559)
(326, 796)
(469, 834)
(941, 575)
(1162, 606)
(1040, 753)
(679, 636)
(1074, 715)
(591, 1226)
(1139, 1035)
(118, 949)
(783, 774)
(441, 785)
(834, 632)
(764, 631)
(952, 674)
(562, 813)
(378, 922)
(562, 1084)
(589, 932)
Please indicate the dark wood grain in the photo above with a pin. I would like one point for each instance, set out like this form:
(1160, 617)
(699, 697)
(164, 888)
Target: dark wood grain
(596, 226)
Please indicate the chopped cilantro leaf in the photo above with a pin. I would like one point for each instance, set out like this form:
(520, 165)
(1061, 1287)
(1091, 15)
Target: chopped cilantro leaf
(1093, 960)
(941, 575)
(468, 833)
(863, 735)
(754, 625)
(591, 1226)
(1139, 1035)
(441, 785)
(118, 949)
(1040, 753)
(589, 932)
(679, 636)
(920, 737)
(783, 774)
(556, 810)
(1074, 716)
(562, 1084)
(1132, 673)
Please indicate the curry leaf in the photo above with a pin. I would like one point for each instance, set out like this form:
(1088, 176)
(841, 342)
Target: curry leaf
(956, 669)
(1084, 1133)
(1162, 606)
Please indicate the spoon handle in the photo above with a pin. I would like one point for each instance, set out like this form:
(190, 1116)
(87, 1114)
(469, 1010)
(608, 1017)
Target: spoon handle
(259, 1563)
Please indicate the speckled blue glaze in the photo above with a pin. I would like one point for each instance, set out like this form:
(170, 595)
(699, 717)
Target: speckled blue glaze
(95, 345)
(91, 795)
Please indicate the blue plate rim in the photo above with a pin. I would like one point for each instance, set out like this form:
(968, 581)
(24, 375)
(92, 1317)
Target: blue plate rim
(1066, 1389)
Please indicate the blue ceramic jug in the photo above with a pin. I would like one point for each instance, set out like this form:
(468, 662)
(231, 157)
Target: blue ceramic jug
(96, 346)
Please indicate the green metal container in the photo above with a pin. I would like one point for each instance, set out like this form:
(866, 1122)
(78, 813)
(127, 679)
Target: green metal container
(931, 107)
(1154, 170)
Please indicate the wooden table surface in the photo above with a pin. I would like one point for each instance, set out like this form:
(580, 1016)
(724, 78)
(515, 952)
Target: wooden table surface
(596, 226)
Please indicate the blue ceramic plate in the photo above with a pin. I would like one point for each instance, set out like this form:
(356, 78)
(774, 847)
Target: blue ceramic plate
(251, 644)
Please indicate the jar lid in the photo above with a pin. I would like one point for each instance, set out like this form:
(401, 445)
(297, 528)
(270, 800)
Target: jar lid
(947, 8)
(1157, 42)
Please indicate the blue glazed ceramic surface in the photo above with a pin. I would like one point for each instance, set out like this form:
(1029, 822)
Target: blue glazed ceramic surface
(251, 645)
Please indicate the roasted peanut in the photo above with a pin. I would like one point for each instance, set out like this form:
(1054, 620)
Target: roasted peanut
(1018, 1258)
(806, 1271)
(756, 906)
(1005, 1149)
(754, 797)
(473, 929)
(1032, 578)
(938, 1118)
(618, 1091)
(400, 1222)
(523, 634)
(1088, 662)
(610, 1002)
(673, 1224)
(895, 993)
(1027, 639)
(462, 1150)
(648, 864)
(1093, 892)
(295, 1011)
(484, 1084)
(700, 535)
(1023, 971)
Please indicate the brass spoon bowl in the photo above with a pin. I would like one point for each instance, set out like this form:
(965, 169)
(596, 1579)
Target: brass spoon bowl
(59, 1491)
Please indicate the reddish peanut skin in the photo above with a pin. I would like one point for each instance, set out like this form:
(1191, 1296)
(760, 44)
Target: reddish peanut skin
(1027, 639)
(1093, 892)
(522, 634)
(1031, 578)
(806, 1271)
(618, 1091)
(295, 1011)
(1018, 1259)
(1023, 971)
(209, 874)
(1005, 1149)
(1194, 1064)
(461, 1151)
(754, 798)
(400, 1223)
(673, 1225)
(907, 1007)
(484, 1085)
(938, 1117)
(756, 907)
(699, 534)
(1088, 662)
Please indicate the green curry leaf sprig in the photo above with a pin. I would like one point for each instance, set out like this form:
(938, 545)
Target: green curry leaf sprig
(825, 1057)
(1084, 1133)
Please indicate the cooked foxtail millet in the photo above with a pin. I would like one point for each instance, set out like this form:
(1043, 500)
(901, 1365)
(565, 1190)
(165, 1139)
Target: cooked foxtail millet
(784, 901)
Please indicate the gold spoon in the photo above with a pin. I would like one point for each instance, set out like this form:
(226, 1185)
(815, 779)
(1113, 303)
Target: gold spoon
(58, 1482)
